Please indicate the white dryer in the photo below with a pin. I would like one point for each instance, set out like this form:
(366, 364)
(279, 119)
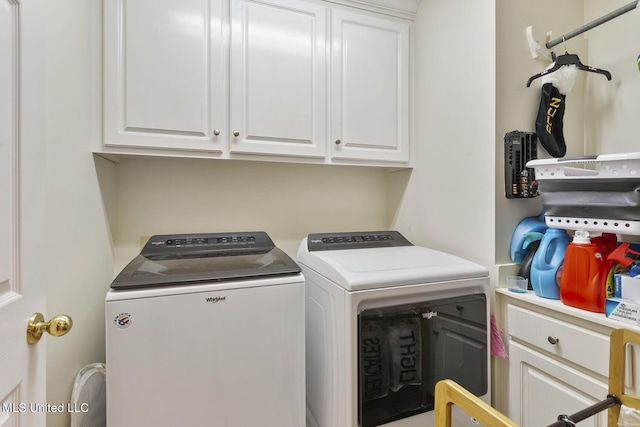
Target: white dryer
(206, 330)
(386, 320)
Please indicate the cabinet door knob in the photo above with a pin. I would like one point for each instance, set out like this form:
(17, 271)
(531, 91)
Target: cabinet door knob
(553, 340)
(216, 132)
(236, 133)
(338, 142)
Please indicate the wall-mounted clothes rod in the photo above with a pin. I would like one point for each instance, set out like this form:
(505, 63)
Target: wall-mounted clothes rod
(566, 420)
(592, 24)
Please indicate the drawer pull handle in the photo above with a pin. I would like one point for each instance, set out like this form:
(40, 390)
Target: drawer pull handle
(553, 340)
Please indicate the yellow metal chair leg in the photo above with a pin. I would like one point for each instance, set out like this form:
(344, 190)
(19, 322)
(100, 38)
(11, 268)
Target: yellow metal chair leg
(449, 392)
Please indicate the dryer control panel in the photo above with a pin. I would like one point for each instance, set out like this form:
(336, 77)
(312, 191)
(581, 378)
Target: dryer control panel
(355, 240)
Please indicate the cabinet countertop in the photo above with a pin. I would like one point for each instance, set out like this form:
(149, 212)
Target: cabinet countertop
(530, 298)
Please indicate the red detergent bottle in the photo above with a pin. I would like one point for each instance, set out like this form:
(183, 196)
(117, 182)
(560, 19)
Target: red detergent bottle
(607, 243)
(581, 284)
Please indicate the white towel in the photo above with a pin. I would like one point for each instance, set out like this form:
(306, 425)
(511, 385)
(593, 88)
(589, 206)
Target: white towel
(563, 78)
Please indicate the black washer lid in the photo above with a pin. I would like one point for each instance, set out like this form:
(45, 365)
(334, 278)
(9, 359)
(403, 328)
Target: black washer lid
(191, 258)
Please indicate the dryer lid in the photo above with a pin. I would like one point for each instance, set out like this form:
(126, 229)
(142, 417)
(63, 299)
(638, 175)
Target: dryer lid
(205, 257)
(376, 266)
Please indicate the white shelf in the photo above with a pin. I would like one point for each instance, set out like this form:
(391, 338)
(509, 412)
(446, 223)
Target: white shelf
(591, 170)
(557, 306)
(623, 165)
(629, 228)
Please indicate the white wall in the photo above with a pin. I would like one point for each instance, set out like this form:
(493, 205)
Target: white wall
(517, 105)
(448, 203)
(612, 107)
(79, 260)
(288, 201)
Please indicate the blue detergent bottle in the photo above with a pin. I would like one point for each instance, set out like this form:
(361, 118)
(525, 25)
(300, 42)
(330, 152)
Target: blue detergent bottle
(547, 262)
(529, 224)
(531, 243)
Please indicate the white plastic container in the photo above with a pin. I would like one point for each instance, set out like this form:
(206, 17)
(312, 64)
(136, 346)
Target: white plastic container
(598, 193)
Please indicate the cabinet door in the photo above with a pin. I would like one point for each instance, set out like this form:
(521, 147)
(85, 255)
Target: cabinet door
(370, 87)
(278, 78)
(541, 388)
(164, 74)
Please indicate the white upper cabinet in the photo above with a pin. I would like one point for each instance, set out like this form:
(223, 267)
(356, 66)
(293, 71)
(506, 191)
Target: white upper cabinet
(308, 81)
(278, 78)
(370, 77)
(165, 72)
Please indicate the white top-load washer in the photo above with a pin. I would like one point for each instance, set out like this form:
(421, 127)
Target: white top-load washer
(386, 320)
(206, 330)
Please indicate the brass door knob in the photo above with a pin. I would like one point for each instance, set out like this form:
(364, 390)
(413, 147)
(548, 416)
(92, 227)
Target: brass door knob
(57, 326)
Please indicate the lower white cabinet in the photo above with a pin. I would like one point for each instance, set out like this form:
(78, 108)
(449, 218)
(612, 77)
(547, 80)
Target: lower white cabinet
(542, 389)
(558, 360)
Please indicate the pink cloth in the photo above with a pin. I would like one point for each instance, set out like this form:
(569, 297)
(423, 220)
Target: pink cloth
(497, 346)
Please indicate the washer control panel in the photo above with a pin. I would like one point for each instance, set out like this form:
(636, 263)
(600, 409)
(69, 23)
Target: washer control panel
(355, 240)
(206, 242)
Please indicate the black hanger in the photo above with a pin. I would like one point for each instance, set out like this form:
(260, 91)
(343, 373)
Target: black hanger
(569, 59)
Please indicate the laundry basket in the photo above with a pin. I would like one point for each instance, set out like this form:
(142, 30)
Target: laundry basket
(89, 397)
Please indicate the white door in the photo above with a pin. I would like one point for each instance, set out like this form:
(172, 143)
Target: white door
(22, 366)
(165, 74)
(370, 86)
(541, 389)
(278, 78)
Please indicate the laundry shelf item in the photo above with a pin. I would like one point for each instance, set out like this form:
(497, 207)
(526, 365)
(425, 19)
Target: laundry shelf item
(630, 228)
(599, 193)
(612, 166)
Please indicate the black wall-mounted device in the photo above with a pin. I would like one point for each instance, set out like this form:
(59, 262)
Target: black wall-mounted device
(519, 180)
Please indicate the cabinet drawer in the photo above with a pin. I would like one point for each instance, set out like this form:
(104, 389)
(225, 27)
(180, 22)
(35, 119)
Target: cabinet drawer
(573, 343)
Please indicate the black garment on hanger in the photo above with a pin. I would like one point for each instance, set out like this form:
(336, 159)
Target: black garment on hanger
(549, 121)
